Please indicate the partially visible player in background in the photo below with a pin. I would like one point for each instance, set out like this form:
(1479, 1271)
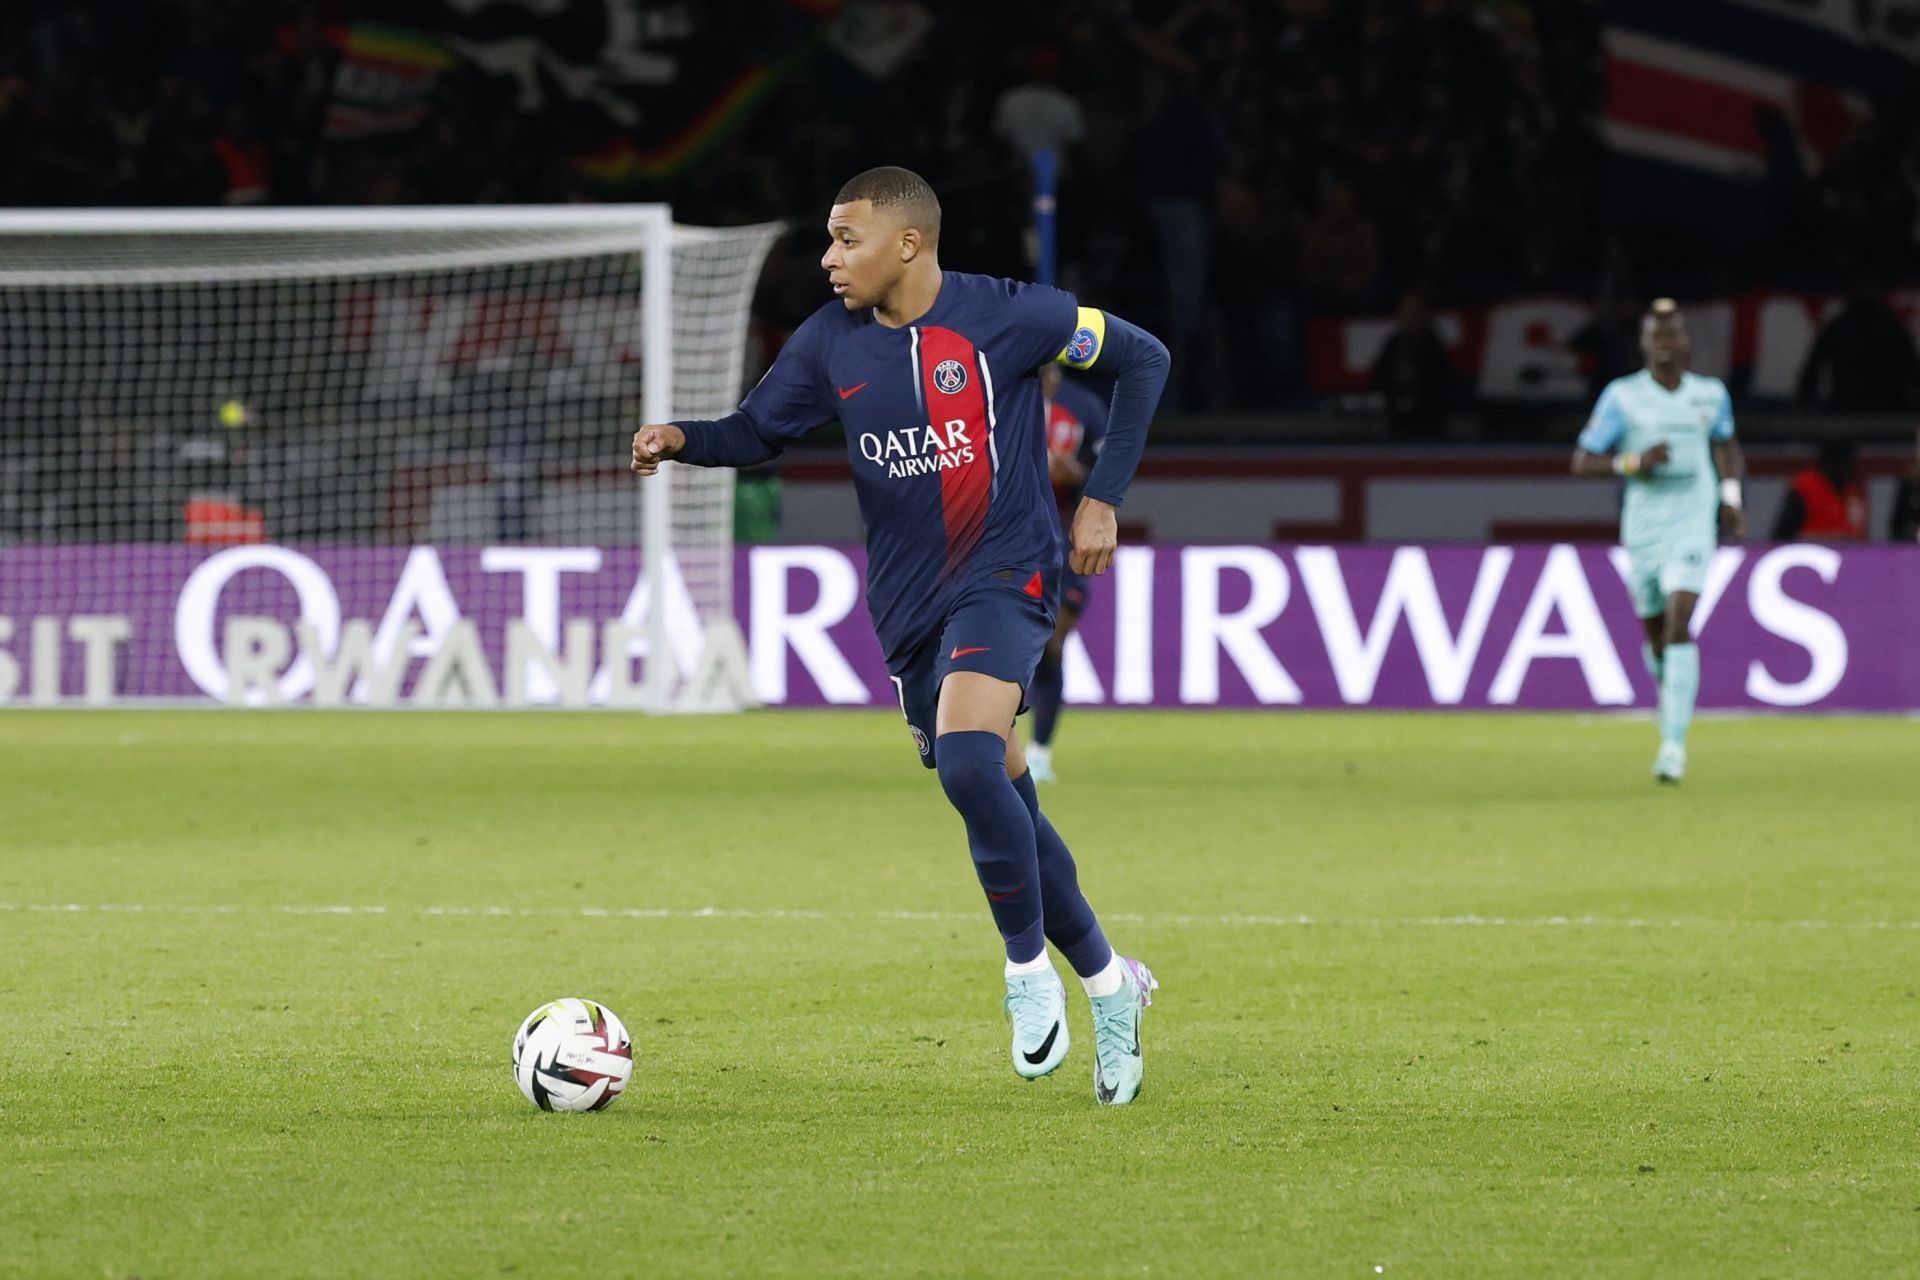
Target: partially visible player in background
(1076, 428)
(1669, 434)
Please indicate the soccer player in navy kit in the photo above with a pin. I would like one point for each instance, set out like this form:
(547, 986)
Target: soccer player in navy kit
(1076, 430)
(934, 376)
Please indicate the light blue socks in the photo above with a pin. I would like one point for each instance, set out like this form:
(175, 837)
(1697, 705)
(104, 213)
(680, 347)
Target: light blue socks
(1679, 686)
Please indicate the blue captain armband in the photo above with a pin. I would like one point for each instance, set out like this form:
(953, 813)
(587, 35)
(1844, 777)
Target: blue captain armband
(1088, 340)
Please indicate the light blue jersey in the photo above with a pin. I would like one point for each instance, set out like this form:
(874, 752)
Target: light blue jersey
(1669, 520)
(1680, 502)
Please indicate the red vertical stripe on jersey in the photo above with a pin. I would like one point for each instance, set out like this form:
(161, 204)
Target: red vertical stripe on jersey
(966, 489)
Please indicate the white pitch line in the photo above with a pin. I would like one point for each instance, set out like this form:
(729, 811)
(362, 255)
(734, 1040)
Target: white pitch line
(775, 913)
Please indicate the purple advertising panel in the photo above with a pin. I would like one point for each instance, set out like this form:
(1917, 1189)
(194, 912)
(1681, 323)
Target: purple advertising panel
(1529, 627)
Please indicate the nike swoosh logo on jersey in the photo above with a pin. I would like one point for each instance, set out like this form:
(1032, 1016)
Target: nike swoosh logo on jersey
(961, 653)
(850, 392)
(1039, 1055)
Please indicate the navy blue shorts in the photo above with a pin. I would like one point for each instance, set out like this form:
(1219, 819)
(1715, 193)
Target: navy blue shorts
(995, 628)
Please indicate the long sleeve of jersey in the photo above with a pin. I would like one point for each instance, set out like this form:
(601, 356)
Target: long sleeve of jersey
(1138, 363)
(785, 406)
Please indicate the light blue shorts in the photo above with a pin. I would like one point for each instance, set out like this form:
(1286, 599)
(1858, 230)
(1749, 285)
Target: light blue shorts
(1660, 569)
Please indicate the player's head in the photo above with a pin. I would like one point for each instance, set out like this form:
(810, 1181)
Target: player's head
(884, 223)
(1663, 336)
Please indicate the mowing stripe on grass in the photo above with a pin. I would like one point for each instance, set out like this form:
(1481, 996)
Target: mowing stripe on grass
(776, 913)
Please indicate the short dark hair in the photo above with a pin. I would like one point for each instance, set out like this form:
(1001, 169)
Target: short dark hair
(891, 187)
(1661, 311)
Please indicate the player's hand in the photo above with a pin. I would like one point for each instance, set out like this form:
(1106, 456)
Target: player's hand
(1733, 523)
(1095, 534)
(1654, 459)
(654, 444)
(1065, 470)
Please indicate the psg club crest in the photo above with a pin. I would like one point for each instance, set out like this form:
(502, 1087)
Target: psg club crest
(920, 739)
(1080, 348)
(949, 376)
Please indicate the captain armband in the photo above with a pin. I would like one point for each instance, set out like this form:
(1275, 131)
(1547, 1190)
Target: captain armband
(1088, 340)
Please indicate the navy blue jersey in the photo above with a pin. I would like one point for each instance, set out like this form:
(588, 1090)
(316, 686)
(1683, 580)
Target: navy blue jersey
(945, 432)
(1077, 427)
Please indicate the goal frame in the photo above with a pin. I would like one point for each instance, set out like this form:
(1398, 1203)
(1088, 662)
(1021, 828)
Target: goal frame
(646, 228)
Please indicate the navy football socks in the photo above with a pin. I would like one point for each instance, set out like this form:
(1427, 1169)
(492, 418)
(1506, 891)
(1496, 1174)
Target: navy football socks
(1044, 693)
(1069, 919)
(1000, 832)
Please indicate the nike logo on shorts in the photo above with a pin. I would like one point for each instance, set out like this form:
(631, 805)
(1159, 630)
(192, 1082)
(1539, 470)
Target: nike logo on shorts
(961, 653)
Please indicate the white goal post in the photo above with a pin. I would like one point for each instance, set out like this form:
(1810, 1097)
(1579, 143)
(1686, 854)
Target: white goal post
(366, 456)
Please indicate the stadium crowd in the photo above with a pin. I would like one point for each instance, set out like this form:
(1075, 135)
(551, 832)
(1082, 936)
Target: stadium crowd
(1231, 167)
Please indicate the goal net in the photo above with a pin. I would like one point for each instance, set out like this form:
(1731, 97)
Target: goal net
(366, 457)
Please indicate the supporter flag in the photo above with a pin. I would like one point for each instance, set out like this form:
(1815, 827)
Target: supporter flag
(725, 65)
(383, 80)
(1707, 98)
(638, 91)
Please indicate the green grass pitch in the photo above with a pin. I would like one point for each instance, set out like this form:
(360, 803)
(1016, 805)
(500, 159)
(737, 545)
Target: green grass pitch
(1442, 996)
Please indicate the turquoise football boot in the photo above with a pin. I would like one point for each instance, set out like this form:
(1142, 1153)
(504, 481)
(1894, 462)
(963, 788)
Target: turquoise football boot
(1037, 1008)
(1671, 764)
(1117, 1065)
(1040, 763)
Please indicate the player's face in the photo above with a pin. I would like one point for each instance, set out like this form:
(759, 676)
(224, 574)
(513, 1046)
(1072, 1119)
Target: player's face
(863, 258)
(1664, 341)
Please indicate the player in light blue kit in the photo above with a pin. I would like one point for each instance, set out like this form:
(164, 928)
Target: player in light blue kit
(1669, 434)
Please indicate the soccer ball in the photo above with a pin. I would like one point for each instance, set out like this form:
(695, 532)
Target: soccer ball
(572, 1055)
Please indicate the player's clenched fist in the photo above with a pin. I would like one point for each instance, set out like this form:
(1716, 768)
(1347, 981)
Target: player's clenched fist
(1095, 534)
(654, 444)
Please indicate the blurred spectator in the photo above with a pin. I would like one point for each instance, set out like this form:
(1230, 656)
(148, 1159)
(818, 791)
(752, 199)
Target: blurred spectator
(1825, 503)
(243, 157)
(1415, 374)
(1864, 359)
(1260, 219)
(1238, 165)
(1178, 160)
(1036, 114)
(1905, 525)
(1340, 249)
(880, 36)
